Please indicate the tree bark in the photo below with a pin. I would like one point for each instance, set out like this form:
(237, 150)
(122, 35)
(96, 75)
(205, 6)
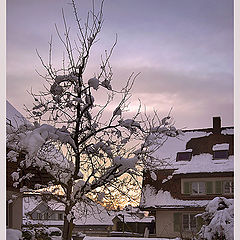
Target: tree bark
(67, 229)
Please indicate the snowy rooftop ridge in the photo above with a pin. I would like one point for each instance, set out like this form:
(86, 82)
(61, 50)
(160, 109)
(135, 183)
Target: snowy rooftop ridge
(13, 116)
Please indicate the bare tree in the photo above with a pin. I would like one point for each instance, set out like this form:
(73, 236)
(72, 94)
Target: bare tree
(80, 136)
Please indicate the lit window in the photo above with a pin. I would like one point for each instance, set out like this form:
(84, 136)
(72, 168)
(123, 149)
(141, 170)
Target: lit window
(228, 187)
(189, 221)
(220, 154)
(198, 188)
(184, 156)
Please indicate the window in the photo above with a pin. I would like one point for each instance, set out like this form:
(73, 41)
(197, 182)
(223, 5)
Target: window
(220, 154)
(184, 156)
(227, 187)
(189, 222)
(46, 216)
(207, 187)
(60, 216)
(198, 188)
(39, 216)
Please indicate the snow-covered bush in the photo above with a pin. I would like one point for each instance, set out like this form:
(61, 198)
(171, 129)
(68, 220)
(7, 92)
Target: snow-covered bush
(218, 220)
(35, 232)
(82, 135)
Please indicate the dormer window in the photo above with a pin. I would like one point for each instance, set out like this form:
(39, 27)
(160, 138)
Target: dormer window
(184, 156)
(220, 151)
(221, 154)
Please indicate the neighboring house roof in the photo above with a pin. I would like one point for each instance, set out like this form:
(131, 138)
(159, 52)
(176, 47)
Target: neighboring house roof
(133, 215)
(86, 214)
(135, 219)
(13, 116)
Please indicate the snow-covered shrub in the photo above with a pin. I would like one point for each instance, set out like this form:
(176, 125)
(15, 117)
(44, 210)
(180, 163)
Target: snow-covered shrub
(218, 220)
(35, 232)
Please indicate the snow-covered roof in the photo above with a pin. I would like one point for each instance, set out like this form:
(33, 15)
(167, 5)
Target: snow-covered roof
(13, 116)
(205, 163)
(86, 214)
(163, 199)
(199, 163)
(135, 219)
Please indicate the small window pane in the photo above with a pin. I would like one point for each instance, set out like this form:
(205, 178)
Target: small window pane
(60, 216)
(195, 188)
(198, 188)
(185, 221)
(184, 156)
(228, 187)
(201, 187)
(220, 154)
(193, 222)
(46, 216)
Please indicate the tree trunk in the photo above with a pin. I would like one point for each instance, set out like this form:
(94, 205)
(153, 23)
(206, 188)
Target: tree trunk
(67, 229)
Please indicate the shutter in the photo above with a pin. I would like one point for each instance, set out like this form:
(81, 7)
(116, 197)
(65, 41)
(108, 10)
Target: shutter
(177, 221)
(186, 187)
(209, 187)
(199, 223)
(218, 187)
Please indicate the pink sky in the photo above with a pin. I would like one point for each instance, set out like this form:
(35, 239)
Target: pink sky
(183, 49)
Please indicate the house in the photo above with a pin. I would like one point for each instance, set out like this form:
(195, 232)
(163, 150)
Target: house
(132, 220)
(198, 166)
(15, 193)
(91, 218)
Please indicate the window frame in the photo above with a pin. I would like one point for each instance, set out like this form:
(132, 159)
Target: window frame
(46, 216)
(39, 216)
(213, 186)
(186, 153)
(190, 217)
(198, 188)
(231, 187)
(60, 214)
(220, 151)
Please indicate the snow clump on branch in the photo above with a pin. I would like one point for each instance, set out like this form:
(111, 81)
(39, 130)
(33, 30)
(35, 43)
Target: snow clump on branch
(94, 83)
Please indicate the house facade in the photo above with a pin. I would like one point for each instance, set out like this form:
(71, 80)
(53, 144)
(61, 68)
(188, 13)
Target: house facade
(198, 166)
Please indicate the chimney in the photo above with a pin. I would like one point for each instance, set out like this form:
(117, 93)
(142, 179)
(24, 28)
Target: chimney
(217, 125)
